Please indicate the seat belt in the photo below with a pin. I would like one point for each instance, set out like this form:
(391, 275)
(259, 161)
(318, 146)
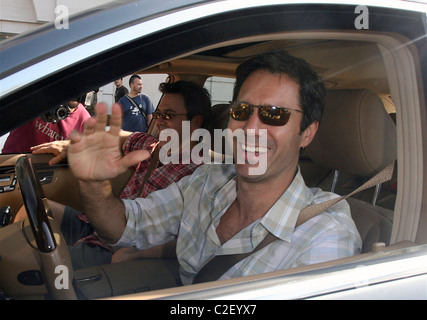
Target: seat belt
(218, 265)
(154, 162)
(309, 212)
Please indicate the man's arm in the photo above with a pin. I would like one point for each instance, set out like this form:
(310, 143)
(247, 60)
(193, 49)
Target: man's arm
(105, 211)
(166, 251)
(95, 157)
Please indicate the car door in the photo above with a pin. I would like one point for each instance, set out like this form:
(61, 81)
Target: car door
(145, 41)
(58, 182)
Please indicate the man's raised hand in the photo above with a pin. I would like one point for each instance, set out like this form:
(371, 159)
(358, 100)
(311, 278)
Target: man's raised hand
(95, 155)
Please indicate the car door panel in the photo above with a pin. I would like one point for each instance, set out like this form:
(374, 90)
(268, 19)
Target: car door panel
(57, 181)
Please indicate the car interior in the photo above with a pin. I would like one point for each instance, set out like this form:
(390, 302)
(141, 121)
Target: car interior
(357, 138)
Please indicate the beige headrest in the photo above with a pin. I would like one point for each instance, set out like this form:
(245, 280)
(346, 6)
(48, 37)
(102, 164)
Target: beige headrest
(356, 135)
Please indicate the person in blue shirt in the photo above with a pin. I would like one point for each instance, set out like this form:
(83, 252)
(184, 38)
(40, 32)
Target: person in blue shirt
(137, 107)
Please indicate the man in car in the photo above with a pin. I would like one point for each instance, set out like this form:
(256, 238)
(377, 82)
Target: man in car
(223, 209)
(182, 101)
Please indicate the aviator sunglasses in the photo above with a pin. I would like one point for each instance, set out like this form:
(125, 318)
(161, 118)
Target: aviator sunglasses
(270, 115)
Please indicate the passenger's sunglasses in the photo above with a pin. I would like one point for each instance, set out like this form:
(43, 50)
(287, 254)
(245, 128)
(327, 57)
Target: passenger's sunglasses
(271, 115)
(167, 115)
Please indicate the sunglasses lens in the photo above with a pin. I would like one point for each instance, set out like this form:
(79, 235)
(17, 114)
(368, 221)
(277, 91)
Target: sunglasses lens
(274, 116)
(164, 116)
(241, 111)
(270, 115)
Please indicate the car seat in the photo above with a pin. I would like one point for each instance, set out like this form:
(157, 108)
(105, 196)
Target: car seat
(220, 114)
(357, 137)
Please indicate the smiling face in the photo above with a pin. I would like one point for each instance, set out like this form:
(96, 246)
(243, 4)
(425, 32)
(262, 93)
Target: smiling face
(283, 142)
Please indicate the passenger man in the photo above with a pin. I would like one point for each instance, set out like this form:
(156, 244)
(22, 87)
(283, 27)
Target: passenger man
(223, 209)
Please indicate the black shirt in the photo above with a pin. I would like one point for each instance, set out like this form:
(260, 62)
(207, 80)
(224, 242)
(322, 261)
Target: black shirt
(120, 92)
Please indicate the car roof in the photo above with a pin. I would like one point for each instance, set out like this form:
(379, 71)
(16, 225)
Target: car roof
(25, 49)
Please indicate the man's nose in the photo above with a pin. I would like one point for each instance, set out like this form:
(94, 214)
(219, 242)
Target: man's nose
(254, 121)
(255, 130)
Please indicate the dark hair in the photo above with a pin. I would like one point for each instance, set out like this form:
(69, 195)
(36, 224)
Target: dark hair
(196, 98)
(133, 77)
(311, 87)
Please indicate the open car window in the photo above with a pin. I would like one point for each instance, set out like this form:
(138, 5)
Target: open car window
(372, 60)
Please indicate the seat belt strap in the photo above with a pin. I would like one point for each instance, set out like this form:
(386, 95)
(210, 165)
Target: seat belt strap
(218, 265)
(309, 212)
(154, 162)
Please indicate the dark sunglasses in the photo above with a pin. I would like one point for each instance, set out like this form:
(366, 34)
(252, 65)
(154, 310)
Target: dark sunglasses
(167, 115)
(271, 115)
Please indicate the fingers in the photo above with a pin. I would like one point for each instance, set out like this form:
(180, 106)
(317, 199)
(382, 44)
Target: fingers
(57, 159)
(55, 147)
(99, 122)
(43, 149)
(48, 148)
(135, 157)
(75, 136)
(101, 117)
(89, 127)
(58, 148)
(116, 119)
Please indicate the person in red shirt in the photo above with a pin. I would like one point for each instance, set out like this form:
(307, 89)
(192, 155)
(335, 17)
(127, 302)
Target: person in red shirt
(39, 131)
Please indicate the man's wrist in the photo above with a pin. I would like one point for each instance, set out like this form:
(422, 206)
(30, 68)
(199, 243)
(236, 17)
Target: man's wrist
(96, 187)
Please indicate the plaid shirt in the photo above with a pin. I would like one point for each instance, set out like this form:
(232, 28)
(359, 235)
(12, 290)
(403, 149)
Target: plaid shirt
(160, 178)
(191, 209)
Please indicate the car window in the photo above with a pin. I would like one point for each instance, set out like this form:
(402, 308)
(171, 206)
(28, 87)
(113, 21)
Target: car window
(105, 93)
(150, 88)
(151, 84)
(3, 140)
(379, 58)
(220, 88)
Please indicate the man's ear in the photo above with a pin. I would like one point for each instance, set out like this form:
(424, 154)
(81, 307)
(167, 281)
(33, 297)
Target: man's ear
(308, 134)
(196, 122)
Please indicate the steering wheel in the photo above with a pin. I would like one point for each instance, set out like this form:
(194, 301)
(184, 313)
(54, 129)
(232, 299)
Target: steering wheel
(51, 245)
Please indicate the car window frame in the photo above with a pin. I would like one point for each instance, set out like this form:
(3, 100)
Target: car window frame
(404, 121)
